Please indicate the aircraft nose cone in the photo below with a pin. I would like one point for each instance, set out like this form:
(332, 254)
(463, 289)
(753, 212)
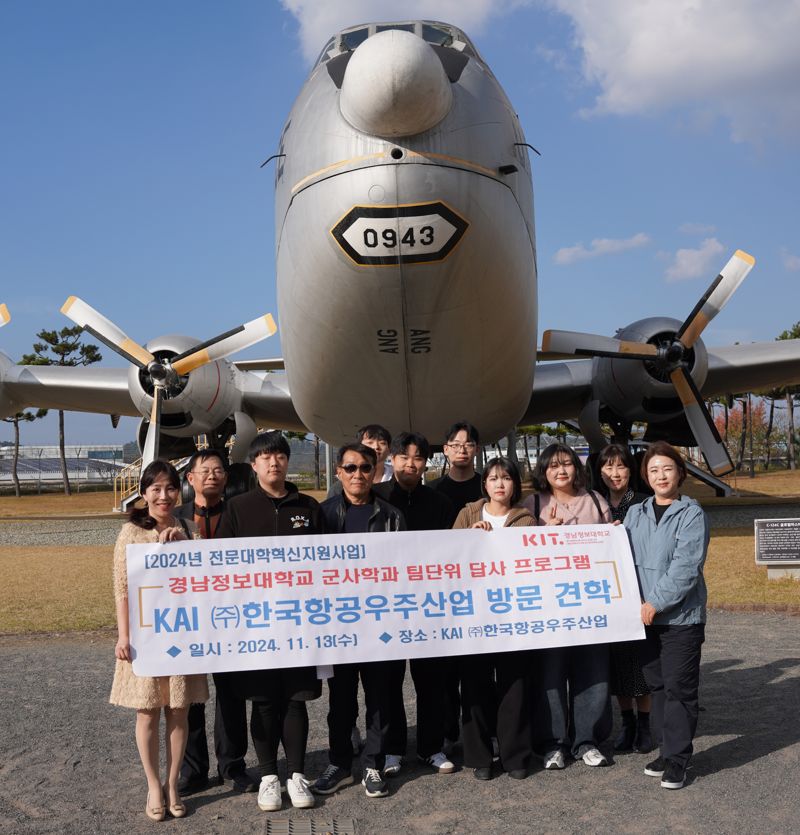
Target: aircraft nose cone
(394, 85)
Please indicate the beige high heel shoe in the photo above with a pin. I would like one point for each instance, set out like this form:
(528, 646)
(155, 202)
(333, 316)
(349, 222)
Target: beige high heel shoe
(155, 813)
(177, 809)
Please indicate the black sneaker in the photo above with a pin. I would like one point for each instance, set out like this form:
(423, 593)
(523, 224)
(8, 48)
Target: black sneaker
(374, 784)
(332, 779)
(240, 781)
(674, 775)
(655, 768)
(191, 784)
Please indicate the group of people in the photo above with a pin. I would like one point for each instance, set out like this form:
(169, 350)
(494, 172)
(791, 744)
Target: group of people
(507, 706)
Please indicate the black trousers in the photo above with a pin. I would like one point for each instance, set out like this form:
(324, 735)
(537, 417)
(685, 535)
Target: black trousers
(495, 691)
(428, 675)
(230, 735)
(671, 666)
(275, 720)
(376, 678)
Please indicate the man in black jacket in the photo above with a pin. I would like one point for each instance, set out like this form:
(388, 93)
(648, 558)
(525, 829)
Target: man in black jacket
(358, 510)
(206, 473)
(274, 507)
(425, 510)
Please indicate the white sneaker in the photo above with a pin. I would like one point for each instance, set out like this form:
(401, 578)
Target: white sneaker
(593, 757)
(269, 794)
(356, 741)
(392, 765)
(299, 790)
(439, 763)
(554, 760)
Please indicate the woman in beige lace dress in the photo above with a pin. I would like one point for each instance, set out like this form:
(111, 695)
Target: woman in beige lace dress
(160, 487)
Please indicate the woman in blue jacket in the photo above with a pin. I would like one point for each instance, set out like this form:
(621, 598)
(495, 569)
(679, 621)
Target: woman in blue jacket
(669, 537)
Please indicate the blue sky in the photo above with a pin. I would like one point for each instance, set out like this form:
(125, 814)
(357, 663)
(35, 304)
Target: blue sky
(133, 133)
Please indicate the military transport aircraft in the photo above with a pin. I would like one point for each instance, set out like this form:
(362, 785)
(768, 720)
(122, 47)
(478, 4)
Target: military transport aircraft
(406, 273)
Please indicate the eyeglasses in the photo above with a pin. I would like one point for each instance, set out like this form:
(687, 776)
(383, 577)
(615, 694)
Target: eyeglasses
(363, 468)
(467, 447)
(206, 473)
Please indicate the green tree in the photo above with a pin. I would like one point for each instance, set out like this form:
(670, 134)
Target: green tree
(15, 420)
(790, 392)
(62, 347)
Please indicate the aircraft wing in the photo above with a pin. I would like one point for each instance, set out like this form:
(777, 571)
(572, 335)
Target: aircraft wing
(560, 391)
(759, 366)
(97, 390)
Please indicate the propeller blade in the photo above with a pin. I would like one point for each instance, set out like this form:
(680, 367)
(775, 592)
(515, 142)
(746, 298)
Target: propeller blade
(702, 426)
(716, 297)
(106, 331)
(226, 343)
(593, 345)
(150, 451)
(5, 316)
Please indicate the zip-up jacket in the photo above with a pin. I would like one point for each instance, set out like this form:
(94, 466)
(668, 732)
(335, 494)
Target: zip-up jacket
(384, 517)
(669, 559)
(256, 514)
(518, 517)
(424, 508)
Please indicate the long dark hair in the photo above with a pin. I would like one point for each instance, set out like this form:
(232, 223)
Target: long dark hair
(140, 516)
(549, 453)
(507, 466)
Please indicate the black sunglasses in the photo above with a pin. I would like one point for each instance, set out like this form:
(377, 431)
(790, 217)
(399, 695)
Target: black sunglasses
(364, 468)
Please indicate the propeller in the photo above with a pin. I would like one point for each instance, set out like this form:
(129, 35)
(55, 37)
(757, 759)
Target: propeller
(5, 316)
(165, 374)
(672, 356)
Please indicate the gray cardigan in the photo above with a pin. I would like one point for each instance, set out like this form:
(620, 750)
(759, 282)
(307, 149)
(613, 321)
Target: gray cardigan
(669, 559)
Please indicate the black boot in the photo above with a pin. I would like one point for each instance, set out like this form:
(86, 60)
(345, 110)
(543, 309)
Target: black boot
(643, 741)
(624, 742)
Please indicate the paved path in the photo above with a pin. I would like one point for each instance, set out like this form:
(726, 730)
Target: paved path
(68, 763)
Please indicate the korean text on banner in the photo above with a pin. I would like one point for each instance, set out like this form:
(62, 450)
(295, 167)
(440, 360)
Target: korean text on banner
(234, 604)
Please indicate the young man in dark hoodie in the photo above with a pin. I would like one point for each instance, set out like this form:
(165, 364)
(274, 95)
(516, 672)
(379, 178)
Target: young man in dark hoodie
(274, 507)
(425, 510)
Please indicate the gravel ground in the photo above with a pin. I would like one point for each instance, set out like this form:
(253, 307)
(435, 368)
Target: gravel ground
(69, 764)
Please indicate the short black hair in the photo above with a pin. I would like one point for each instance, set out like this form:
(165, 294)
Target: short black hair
(405, 439)
(202, 455)
(509, 468)
(550, 452)
(462, 426)
(268, 442)
(665, 450)
(362, 449)
(140, 516)
(376, 431)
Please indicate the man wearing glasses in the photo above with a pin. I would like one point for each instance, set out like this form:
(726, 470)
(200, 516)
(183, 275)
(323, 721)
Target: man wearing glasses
(357, 510)
(461, 484)
(207, 475)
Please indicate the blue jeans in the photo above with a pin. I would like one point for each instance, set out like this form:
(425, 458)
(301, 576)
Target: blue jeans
(574, 709)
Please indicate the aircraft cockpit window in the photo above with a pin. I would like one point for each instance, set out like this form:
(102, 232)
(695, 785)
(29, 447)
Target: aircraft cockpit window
(350, 40)
(435, 35)
(406, 27)
(326, 52)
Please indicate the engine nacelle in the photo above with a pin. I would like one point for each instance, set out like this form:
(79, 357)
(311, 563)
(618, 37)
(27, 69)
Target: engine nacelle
(637, 390)
(194, 404)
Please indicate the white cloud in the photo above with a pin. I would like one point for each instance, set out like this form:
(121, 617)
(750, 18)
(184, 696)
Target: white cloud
(790, 262)
(319, 19)
(697, 229)
(598, 247)
(696, 263)
(732, 59)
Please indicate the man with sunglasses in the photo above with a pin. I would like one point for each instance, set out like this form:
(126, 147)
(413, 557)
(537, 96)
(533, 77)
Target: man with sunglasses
(425, 510)
(357, 510)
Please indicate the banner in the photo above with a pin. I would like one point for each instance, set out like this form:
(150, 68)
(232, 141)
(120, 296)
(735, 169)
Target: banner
(202, 606)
